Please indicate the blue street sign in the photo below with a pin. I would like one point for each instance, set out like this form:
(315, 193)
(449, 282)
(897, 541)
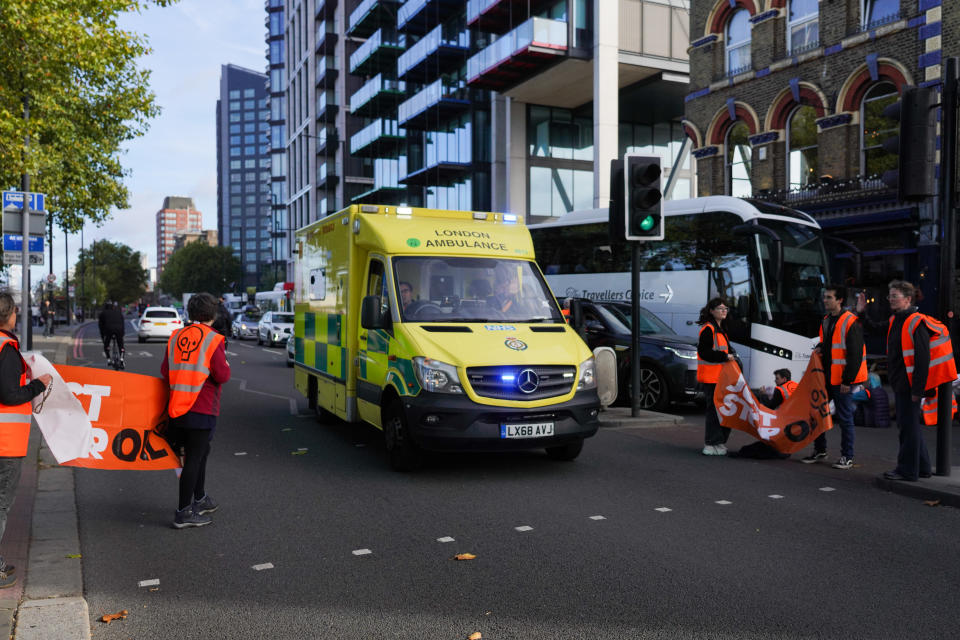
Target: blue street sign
(14, 242)
(37, 201)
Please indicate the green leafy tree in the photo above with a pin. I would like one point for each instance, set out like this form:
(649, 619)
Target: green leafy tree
(199, 267)
(110, 271)
(75, 71)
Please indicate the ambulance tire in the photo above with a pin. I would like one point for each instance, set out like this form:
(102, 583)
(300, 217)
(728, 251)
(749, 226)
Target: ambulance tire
(566, 452)
(402, 452)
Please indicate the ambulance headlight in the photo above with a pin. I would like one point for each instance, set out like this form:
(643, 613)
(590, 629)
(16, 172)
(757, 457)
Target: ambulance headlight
(588, 375)
(437, 376)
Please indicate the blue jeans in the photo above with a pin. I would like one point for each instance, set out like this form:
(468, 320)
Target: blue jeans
(913, 458)
(844, 405)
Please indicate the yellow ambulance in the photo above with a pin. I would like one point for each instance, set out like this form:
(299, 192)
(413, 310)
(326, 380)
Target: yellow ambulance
(438, 328)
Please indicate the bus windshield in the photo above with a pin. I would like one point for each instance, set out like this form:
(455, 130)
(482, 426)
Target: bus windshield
(453, 289)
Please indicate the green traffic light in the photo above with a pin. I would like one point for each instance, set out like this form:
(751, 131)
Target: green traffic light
(647, 223)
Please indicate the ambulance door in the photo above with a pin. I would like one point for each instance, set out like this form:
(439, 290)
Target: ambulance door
(373, 344)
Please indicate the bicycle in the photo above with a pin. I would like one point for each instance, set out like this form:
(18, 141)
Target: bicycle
(116, 358)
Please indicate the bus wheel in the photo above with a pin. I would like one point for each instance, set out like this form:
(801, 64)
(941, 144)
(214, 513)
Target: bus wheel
(402, 452)
(654, 393)
(567, 451)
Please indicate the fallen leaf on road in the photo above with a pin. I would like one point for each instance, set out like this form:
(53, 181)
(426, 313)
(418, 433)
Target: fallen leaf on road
(110, 617)
(464, 556)
(73, 555)
(932, 503)
(297, 453)
(476, 635)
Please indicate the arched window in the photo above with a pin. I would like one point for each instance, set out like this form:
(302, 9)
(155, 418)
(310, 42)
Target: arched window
(803, 25)
(802, 165)
(879, 12)
(874, 159)
(739, 160)
(738, 42)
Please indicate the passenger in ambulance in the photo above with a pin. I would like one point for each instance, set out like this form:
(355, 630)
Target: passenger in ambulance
(506, 291)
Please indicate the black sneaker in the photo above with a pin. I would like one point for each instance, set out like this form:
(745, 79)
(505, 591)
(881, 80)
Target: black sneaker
(816, 456)
(205, 505)
(187, 517)
(843, 463)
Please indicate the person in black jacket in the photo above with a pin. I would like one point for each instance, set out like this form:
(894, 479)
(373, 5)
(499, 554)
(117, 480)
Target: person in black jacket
(111, 325)
(713, 349)
(222, 322)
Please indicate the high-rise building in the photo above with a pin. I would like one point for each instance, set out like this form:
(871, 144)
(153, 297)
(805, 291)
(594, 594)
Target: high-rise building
(479, 104)
(277, 139)
(207, 236)
(244, 208)
(177, 216)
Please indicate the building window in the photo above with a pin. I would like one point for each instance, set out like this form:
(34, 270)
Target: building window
(879, 12)
(739, 159)
(874, 159)
(802, 164)
(555, 191)
(803, 25)
(738, 42)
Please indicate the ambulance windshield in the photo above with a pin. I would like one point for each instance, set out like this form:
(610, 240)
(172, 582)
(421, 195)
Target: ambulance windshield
(453, 289)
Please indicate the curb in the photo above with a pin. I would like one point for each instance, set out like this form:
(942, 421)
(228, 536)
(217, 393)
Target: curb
(620, 418)
(946, 489)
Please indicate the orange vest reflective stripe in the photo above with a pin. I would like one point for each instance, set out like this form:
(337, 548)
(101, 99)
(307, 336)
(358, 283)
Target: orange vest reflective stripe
(838, 350)
(189, 352)
(787, 388)
(15, 419)
(929, 409)
(709, 372)
(942, 367)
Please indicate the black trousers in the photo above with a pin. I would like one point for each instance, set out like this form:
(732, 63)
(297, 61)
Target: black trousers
(713, 433)
(196, 446)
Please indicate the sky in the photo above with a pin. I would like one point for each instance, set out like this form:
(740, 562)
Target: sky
(177, 156)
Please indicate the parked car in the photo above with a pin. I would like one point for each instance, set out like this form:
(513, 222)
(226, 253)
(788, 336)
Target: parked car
(244, 326)
(158, 322)
(291, 351)
(274, 327)
(668, 361)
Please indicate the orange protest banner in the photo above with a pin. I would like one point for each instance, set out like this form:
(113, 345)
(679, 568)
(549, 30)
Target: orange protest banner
(790, 427)
(124, 409)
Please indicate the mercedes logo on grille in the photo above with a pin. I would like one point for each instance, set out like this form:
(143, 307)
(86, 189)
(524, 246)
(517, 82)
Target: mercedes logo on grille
(528, 381)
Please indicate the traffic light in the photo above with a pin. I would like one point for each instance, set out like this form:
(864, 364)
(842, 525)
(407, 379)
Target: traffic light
(915, 144)
(643, 202)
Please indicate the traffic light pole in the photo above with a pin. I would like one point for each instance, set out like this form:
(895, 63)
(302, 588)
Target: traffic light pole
(26, 312)
(635, 385)
(948, 250)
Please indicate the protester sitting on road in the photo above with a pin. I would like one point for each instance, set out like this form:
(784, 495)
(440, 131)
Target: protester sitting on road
(16, 412)
(112, 324)
(195, 403)
(713, 350)
(784, 387)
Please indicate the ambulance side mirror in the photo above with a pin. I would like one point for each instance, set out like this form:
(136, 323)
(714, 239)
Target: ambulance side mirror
(576, 316)
(370, 314)
(605, 360)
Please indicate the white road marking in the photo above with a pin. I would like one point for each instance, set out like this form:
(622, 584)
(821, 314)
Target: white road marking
(663, 509)
(245, 346)
(276, 353)
(292, 401)
(597, 518)
(524, 528)
(302, 449)
(775, 496)
(261, 567)
(445, 539)
(231, 353)
(144, 354)
(240, 453)
(361, 552)
(827, 489)
(723, 502)
(149, 583)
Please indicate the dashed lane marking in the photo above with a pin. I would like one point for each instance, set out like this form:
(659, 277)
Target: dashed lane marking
(445, 539)
(240, 453)
(524, 528)
(231, 353)
(292, 401)
(274, 353)
(775, 496)
(663, 509)
(827, 489)
(261, 567)
(723, 502)
(361, 552)
(597, 518)
(149, 583)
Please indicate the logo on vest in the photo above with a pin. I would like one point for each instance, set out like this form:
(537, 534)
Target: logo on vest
(188, 341)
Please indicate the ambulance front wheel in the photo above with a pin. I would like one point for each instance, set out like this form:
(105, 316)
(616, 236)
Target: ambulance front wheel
(402, 451)
(567, 451)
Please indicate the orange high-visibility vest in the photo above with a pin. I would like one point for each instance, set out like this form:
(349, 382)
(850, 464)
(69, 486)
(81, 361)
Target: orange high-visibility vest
(838, 349)
(709, 372)
(942, 367)
(14, 419)
(787, 388)
(929, 409)
(189, 352)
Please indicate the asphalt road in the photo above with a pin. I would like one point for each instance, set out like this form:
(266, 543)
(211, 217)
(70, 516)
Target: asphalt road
(638, 538)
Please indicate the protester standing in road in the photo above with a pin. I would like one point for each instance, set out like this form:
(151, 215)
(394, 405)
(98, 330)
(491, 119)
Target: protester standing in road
(16, 411)
(713, 350)
(845, 365)
(195, 365)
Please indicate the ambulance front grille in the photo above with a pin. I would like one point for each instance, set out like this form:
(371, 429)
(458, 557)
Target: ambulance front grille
(513, 382)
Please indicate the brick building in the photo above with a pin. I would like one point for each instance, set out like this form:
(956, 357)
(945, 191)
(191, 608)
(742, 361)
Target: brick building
(786, 100)
(207, 236)
(178, 215)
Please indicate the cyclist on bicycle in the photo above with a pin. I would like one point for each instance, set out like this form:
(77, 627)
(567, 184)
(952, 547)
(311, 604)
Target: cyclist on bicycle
(111, 326)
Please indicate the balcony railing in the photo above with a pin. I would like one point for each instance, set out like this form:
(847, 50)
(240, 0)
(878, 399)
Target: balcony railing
(326, 173)
(380, 135)
(327, 140)
(419, 16)
(494, 16)
(852, 190)
(379, 86)
(444, 45)
(326, 36)
(369, 15)
(383, 44)
(440, 99)
(326, 72)
(537, 37)
(327, 106)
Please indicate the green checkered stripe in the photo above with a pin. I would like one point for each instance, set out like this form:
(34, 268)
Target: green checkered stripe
(318, 339)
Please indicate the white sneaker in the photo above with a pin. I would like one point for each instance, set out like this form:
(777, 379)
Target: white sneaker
(722, 449)
(711, 450)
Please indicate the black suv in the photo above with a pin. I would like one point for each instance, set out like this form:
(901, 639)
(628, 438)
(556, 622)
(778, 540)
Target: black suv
(668, 361)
